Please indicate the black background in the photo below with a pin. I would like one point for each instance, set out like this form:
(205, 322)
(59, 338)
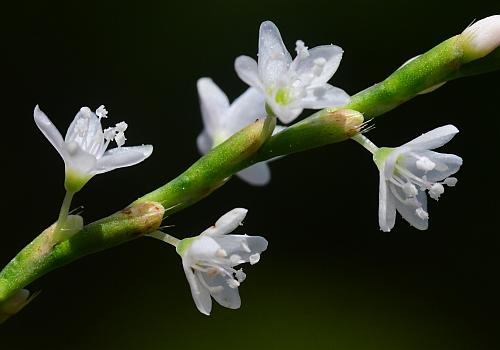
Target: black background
(330, 279)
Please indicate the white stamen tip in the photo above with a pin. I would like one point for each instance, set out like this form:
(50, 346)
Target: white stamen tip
(436, 190)
(425, 164)
(120, 138)
(121, 126)
(240, 275)
(301, 49)
(232, 283)
(109, 134)
(422, 214)
(254, 258)
(450, 181)
(101, 112)
(410, 190)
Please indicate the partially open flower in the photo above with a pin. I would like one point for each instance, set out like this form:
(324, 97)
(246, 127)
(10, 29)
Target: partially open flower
(221, 120)
(292, 85)
(408, 171)
(84, 147)
(209, 261)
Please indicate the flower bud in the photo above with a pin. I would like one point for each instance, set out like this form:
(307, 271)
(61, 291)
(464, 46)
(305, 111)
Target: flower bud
(481, 38)
(15, 303)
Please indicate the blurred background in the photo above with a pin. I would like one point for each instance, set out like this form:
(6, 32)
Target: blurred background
(330, 279)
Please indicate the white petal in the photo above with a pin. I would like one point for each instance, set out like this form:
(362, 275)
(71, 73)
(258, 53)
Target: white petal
(204, 142)
(245, 110)
(50, 132)
(256, 175)
(203, 248)
(386, 205)
(274, 58)
(241, 245)
(284, 113)
(230, 221)
(92, 137)
(221, 292)
(79, 160)
(434, 138)
(446, 165)
(330, 53)
(213, 103)
(324, 96)
(200, 294)
(122, 157)
(246, 69)
(408, 212)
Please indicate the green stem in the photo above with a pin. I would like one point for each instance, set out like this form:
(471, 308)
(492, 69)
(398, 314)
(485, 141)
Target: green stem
(59, 234)
(164, 237)
(365, 142)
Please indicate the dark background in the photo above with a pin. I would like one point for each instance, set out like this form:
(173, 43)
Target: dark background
(330, 279)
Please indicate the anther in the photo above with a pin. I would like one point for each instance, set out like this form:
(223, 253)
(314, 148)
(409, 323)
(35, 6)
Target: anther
(422, 214)
(436, 190)
(425, 164)
(254, 259)
(450, 181)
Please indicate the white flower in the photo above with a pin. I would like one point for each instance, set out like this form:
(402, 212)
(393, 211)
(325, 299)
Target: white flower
(84, 147)
(209, 261)
(221, 120)
(408, 171)
(290, 86)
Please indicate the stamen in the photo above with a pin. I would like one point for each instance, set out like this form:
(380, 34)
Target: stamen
(450, 181)
(422, 182)
(301, 49)
(120, 139)
(121, 126)
(436, 190)
(422, 214)
(232, 283)
(413, 201)
(236, 259)
(109, 134)
(240, 275)
(425, 164)
(254, 258)
(101, 112)
(410, 190)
